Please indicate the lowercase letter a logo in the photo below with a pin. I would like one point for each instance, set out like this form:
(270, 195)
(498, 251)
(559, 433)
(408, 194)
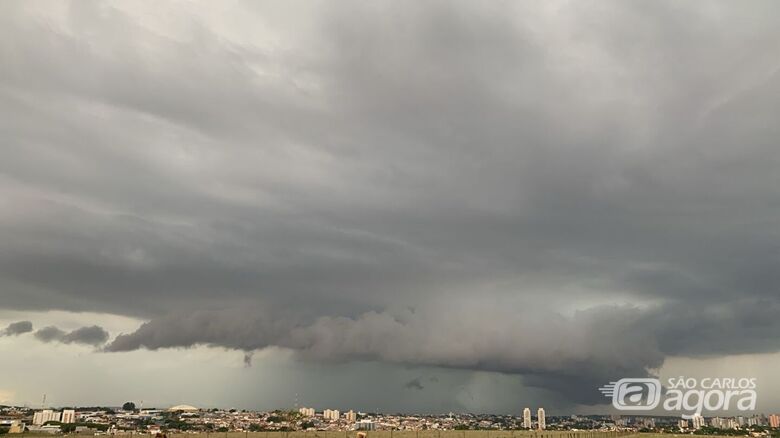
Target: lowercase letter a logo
(634, 394)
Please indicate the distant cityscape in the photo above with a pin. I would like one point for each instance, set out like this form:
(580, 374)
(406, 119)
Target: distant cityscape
(190, 419)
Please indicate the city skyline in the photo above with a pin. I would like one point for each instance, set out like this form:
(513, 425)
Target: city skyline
(129, 417)
(399, 206)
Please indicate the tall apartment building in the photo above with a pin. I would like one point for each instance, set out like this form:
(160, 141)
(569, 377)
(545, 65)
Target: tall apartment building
(41, 417)
(351, 416)
(68, 416)
(527, 418)
(774, 420)
(697, 421)
(365, 425)
(331, 414)
(540, 420)
(306, 412)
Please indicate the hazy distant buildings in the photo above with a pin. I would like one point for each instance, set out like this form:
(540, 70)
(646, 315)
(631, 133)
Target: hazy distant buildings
(68, 416)
(331, 414)
(621, 422)
(682, 424)
(697, 421)
(306, 412)
(774, 420)
(527, 418)
(44, 416)
(366, 425)
(720, 422)
(183, 408)
(540, 420)
(351, 416)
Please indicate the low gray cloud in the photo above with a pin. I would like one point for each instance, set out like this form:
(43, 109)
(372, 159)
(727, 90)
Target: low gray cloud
(241, 329)
(569, 355)
(93, 335)
(49, 334)
(414, 384)
(17, 328)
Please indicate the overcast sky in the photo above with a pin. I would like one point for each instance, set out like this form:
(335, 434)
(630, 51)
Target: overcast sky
(403, 206)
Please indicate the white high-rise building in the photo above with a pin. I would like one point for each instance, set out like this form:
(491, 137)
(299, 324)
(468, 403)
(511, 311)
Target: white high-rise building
(540, 420)
(527, 418)
(365, 425)
(331, 414)
(306, 412)
(351, 416)
(68, 416)
(697, 421)
(42, 417)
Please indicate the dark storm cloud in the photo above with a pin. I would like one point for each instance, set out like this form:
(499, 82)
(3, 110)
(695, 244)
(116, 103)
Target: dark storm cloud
(567, 355)
(567, 193)
(242, 329)
(93, 335)
(414, 384)
(17, 328)
(49, 334)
